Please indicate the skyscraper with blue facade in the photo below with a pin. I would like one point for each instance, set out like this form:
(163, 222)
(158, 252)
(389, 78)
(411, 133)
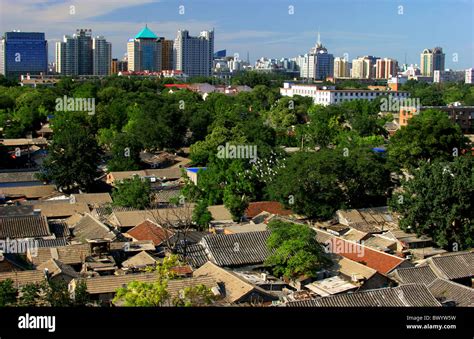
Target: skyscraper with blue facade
(22, 53)
(145, 52)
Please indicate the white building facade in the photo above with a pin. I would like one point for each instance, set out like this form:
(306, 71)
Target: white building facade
(324, 95)
(194, 55)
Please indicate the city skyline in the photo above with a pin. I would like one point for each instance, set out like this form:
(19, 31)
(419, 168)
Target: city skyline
(271, 31)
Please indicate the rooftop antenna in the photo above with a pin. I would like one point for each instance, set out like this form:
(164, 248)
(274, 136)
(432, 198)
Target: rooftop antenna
(319, 38)
(248, 57)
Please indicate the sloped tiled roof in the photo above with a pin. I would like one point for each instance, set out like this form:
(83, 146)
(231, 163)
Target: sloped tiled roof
(93, 198)
(32, 226)
(237, 249)
(52, 242)
(18, 177)
(402, 296)
(71, 254)
(148, 230)
(236, 288)
(135, 246)
(110, 283)
(273, 207)
(135, 217)
(59, 228)
(414, 275)
(16, 211)
(21, 278)
(30, 192)
(60, 209)
(89, 228)
(219, 212)
(453, 265)
(139, 260)
(196, 255)
(56, 267)
(384, 263)
(445, 290)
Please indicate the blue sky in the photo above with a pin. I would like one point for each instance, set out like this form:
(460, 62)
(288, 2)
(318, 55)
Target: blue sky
(265, 27)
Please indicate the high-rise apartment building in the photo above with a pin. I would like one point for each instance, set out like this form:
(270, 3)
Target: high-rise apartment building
(166, 54)
(432, 60)
(80, 54)
(145, 52)
(23, 52)
(193, 55)
(341, 68)
(364, 67)
(386, 68)
(67, 56)
(101, 56)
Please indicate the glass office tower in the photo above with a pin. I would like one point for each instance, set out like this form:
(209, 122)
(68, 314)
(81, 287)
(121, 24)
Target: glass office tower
(22, 53)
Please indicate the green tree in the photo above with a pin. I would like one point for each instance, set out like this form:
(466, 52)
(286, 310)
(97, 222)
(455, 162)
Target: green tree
(365, 177)
(309, 183)
(81, 296)
(437, 202)
(431, 135)
(236, 203)
(74, 155)
(295, 251)
(143, 294)
(57, 293)
(133, 192)
(201, 215)
(194, 296)
(7, 293)
(125, 153)
(31, 295)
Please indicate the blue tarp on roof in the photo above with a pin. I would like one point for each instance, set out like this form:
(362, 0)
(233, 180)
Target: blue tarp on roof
(379, 150)
(195, 169)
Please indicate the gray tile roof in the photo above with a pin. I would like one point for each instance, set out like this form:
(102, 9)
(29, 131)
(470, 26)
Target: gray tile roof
(402, 296)
(453, 266)
(445, 290)
(32, 226)
(414, 275)
(164, 196)
(237, 249)
(16, 211)
(22, 278)
(18, 176)
(89, 228)
(110, 283)
(52, 242)
(59, 228)
(195, 254)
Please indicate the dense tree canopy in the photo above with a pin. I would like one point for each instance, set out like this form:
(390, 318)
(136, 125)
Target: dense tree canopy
(134, 192)
(74, 154)
(295, 251)
(316, 184)
(430, 135)
(437, 202)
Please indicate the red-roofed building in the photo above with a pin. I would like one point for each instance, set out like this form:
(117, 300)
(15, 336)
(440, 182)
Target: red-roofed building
(148, 230)
(273, 207)
(383, 263)
(182, 271)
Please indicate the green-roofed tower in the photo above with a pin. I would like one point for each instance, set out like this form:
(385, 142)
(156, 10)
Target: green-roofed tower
(144, 52)
(146, 33)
